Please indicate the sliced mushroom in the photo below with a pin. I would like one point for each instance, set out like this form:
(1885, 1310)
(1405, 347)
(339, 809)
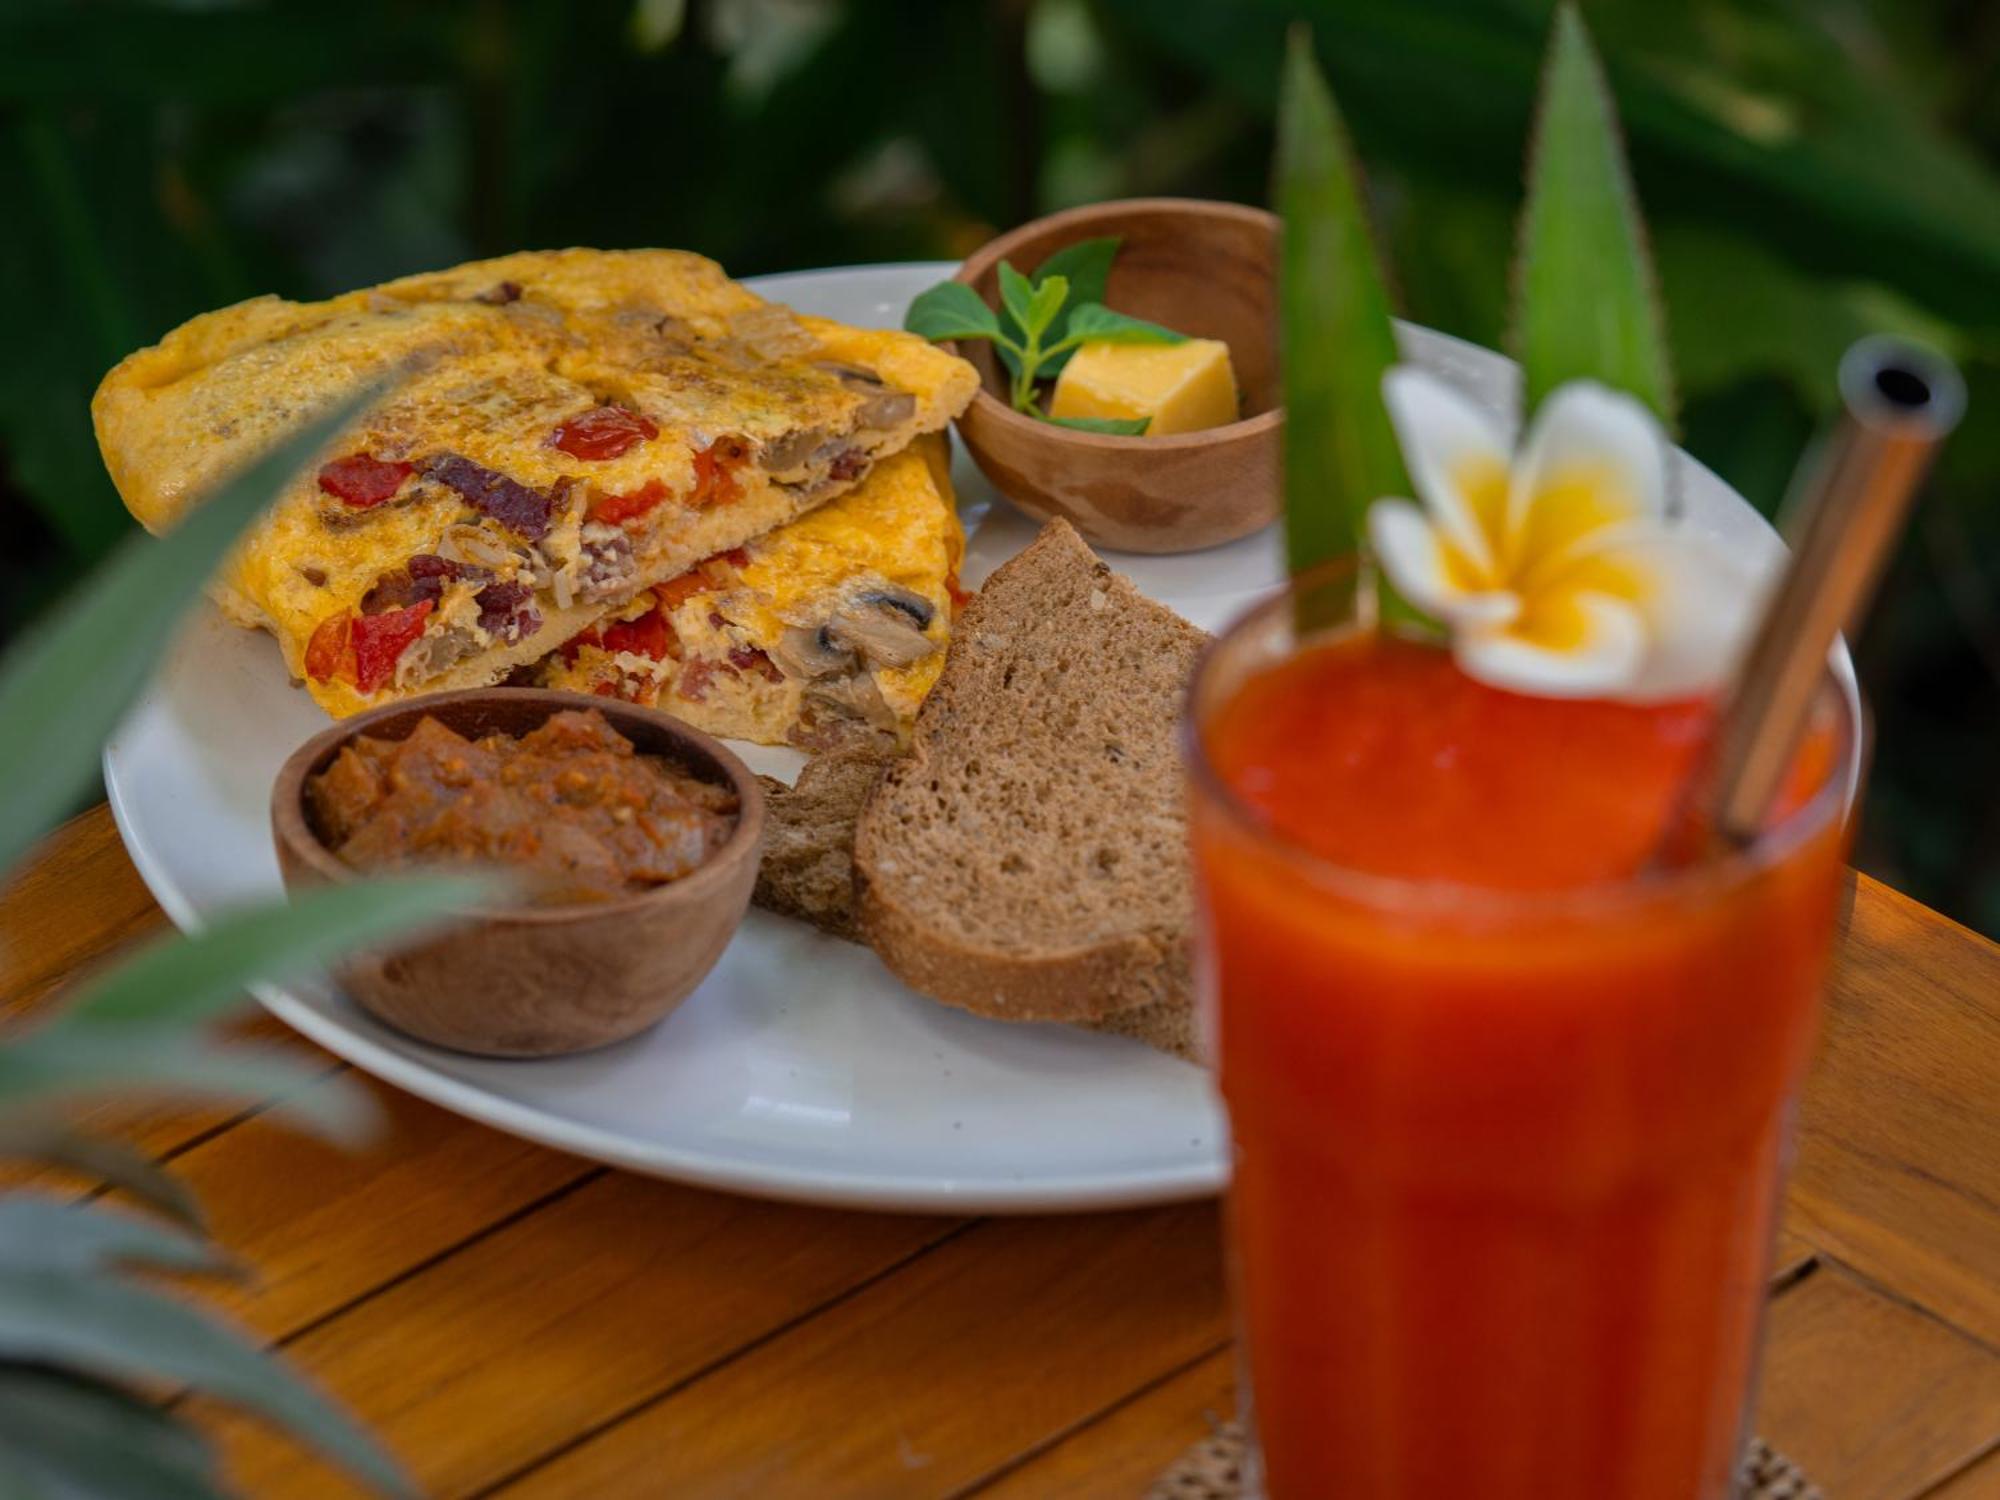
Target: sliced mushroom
(882, 628)
(910, 602)
(885, 407)
(807, 652)
(792, 451)
(859, 697)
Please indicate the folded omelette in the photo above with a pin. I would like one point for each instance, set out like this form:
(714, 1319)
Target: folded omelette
(564, 430)
(831, 626)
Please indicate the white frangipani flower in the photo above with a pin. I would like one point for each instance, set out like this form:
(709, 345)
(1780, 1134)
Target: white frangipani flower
(1557, 569)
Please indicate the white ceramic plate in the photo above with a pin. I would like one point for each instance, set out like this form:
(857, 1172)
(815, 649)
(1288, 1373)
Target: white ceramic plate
(800, 1068)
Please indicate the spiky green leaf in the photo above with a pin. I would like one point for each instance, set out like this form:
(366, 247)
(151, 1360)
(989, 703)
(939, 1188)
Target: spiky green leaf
(56, 1144)
(66, 1437)
(41, 1232)
(63, 689)
(1586, 305)
(190, 979)
(1340, 452)
(112, 1328)
(60, 1065)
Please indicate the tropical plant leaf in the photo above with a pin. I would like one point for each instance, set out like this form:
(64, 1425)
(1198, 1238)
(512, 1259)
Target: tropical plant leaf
(1094, 323)
(1340, 452)
(40, 1232)
(58, 1065)
(951, 310)
(64, 687)
(1587, 307)
(56, 1144)
(1086, 266)
(190, 979)
(1110, 426)
(66, 1437)
(113, 1328)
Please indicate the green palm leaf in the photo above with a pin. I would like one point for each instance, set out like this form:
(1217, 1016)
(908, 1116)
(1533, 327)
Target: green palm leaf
(39, 1232)
(66, 1437)
(1586, 303)
(120, 1331)
(64, 688)
(58, 1145)
(1340, 452)
(191, 979)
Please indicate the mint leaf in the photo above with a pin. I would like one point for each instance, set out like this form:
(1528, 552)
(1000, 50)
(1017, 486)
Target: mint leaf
(1340, 453)
(1049, 295)
(1586, 306)
(951, 310)
(1016, 294)
(1110, 426)
(1094, 323)
(1087, 267)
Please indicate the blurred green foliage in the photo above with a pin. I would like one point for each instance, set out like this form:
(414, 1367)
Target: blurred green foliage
(1812, 169)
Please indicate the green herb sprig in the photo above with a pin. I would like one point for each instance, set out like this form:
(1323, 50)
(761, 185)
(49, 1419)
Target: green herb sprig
(1041, 323)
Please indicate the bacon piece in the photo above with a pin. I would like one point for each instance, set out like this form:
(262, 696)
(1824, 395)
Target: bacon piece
(521, 510)
(750, 659)
(603, 432)
(363, 481)
(695, 678)
(379, 640)
(504, 612)
(500, 294)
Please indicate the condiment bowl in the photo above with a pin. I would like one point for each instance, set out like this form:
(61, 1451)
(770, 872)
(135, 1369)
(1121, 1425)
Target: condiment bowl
(1208, 270)
(537, 981)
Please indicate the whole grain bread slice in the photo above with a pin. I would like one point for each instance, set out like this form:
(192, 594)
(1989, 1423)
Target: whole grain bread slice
(1027, 860)
(808, 874)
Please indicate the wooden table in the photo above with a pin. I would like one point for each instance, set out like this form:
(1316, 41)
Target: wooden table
(518, 1322)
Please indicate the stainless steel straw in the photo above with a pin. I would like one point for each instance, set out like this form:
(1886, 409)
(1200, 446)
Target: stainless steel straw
(1847, 512)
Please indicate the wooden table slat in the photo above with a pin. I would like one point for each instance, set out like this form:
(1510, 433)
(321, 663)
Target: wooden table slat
(1002, 1339)
(1875, 1400)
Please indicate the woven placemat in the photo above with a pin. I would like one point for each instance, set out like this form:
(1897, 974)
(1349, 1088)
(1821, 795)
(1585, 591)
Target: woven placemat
(1213, 1470)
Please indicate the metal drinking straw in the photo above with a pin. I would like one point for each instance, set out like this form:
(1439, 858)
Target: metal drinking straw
(1850, 503)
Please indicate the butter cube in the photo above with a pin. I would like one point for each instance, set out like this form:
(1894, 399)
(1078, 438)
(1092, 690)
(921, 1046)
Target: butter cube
(1182, 387)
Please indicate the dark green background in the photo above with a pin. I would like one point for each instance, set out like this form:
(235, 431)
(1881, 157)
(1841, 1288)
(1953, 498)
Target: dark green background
(1811, 171)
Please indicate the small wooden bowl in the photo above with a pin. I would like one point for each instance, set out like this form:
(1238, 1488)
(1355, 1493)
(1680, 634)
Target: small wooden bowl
(1208, 270)
(537, 981)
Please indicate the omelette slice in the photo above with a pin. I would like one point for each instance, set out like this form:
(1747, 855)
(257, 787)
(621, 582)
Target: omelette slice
(831, 626)
(570, 427)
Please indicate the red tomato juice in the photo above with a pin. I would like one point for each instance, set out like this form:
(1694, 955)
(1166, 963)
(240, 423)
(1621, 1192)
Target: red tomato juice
(1509, 1123)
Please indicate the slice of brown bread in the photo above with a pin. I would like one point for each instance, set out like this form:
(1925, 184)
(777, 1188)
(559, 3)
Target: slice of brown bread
(808, 865)
(808, 871)
(1027, 860)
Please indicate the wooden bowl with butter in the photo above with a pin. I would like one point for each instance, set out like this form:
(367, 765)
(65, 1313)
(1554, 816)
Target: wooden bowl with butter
(614, 948)
(1208, 270)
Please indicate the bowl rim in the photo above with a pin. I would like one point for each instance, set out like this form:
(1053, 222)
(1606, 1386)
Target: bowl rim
(991, 408)
(292, 828)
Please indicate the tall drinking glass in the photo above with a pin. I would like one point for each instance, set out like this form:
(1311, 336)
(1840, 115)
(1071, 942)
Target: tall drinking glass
(1508, 1145)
